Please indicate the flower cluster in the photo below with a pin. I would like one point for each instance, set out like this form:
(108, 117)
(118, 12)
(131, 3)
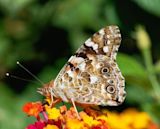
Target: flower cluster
(130, 119)
(63, 118)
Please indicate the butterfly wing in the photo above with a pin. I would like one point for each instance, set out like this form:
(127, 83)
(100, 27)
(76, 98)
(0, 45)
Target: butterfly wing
(91, 75)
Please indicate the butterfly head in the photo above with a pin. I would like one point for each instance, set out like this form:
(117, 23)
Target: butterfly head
(46, 90)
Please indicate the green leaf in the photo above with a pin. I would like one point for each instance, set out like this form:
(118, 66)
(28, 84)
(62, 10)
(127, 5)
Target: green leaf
(133, 71)
(136, 94)
(130, 66)
(151, 6)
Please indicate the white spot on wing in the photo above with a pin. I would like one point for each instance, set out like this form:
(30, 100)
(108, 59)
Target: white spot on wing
(108, 36)
(105, 49)
(76, 60)
(82, 66)
(70, 73)
(108, 42)
(93, 79)
(90, 43)
(102, 32)
(95, 46)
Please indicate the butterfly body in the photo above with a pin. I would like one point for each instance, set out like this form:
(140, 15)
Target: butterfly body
(91, 75)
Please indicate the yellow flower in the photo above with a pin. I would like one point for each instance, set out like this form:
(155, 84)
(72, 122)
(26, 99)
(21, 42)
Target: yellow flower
(141, 120)
(75, 124)
(116, 122)
(88, 119)
(53, 113)
(128, 119)
(137, 119)
(51, 127)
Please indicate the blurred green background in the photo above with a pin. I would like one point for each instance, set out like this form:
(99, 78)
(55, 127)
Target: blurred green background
(43, 34)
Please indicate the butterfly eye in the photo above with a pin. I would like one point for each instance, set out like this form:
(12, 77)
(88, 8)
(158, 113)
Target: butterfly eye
(105, 70)
(110, 89)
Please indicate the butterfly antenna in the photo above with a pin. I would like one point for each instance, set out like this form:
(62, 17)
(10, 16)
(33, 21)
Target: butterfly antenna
(19, 78)
(18, 63)
(75, 108)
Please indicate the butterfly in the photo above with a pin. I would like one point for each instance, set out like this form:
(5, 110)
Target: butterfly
(91, 75)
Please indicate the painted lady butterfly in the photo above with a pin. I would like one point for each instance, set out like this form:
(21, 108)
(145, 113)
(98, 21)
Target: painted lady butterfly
(91, 75)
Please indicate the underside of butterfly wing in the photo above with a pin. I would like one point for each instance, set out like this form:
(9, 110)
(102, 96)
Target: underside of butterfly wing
(91, 75)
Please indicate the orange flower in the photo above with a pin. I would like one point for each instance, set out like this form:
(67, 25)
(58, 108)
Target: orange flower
(33, 108)
(63, 109)
(153, 126)
(71, 113)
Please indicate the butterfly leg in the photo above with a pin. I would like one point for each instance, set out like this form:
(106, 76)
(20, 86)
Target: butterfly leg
(72, 100)
(54, 101)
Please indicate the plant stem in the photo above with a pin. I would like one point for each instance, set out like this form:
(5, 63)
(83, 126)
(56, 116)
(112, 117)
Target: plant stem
(151, 74)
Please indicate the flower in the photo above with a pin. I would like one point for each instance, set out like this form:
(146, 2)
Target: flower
(129, 119)
(51, 127)
(33, 108)
(53, 113)
(143, 39)
(71, 113)
(36, 125)
(63, 118)
(142, 118)
(89, 119)
(63, 109)
(75, 124)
